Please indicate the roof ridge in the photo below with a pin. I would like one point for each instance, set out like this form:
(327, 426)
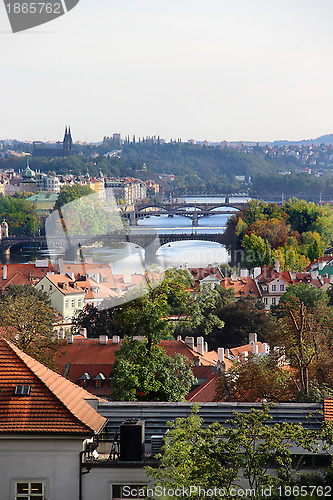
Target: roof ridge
(77, 405)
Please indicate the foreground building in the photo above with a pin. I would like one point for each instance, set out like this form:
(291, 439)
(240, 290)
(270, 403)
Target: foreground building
(44, 420)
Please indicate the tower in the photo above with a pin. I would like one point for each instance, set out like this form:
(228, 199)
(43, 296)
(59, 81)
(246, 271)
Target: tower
(67, 142)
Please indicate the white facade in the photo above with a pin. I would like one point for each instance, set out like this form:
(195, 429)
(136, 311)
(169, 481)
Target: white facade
(53, 462)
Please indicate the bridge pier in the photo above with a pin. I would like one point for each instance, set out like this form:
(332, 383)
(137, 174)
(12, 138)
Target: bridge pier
(133, 219)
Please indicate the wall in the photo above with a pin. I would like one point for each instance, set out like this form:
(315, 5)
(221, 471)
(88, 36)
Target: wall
(56, 461)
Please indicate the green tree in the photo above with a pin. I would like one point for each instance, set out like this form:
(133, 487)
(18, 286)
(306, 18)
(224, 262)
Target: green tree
(309, 295)
(149, 374)
(20, 215)
(105, 321)
(28, 320)
(246, 447)
(71, 193)
(240, 318)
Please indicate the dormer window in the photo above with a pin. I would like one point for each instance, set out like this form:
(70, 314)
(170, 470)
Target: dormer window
(99, 380)
(84, 380)
(22, 390)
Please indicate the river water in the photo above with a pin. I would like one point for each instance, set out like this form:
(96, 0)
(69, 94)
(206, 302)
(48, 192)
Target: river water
(191, 253)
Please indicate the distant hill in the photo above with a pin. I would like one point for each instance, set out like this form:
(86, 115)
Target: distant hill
(323, 139)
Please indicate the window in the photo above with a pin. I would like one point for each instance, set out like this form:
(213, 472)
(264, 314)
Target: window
(66, 303)
(29, 490)
(73, 303)
(22, 390)
(42, 287)
(265, 300)
(273, 300)
(281, 288)
(79, 303)
(273, 288)
(129, 491)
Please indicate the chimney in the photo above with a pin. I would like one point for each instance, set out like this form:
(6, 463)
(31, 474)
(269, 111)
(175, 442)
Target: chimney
(233, 276)
(61, 266)
(256, 272)
(277, 266)
(244, 355)
(255, 349)
(314, 275)
(321, 265)
(220, 355)
(115, 339)
(206, 346)
(103, 339)
(292, 275)
(244, 273)
(252, 338)
(189, 341)
(179, 337)
(70, 339)
(83, 332)
(200, 345)
(61, 333)
(127, 277)
(4, 270)
(265, 348)
(227, 353)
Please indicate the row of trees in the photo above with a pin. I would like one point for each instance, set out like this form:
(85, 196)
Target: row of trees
(248, 457)
(294, 234)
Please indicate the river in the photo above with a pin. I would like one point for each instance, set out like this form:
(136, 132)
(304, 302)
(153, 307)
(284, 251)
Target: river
(192, 253)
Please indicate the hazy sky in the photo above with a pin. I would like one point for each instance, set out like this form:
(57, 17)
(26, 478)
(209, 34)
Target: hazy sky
(214, 69)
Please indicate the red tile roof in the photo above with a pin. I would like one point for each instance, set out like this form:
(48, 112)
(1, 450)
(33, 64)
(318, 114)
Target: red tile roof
(243, 287)
(54, 406)
(21, 274)
(269, 274)
(328, 409)
(199, 273)
(206, 392)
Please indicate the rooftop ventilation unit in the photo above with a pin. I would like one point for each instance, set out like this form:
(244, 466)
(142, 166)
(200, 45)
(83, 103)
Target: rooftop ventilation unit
(156, 444)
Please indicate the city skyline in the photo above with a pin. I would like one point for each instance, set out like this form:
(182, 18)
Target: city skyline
(251, 71)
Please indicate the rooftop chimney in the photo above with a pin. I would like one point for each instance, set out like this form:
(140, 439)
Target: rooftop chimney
(206, 346)
(244, 273)
(265, 348)
(4, 270)
(103, 339)
(252, 338)
(256, 272)
(244, 355)
(179, 337)
(189, 341)
(255, 349)
(127, 277)
(314, 275)
(200, 345)
(115, 339)
(70, 339)
(220, 355)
